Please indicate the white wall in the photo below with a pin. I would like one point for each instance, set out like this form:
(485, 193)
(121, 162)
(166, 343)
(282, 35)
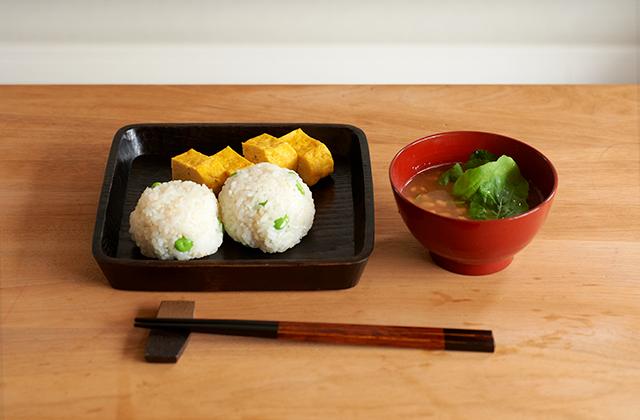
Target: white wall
(319, 41)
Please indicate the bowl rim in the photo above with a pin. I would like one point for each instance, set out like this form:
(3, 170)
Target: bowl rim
(537, 208)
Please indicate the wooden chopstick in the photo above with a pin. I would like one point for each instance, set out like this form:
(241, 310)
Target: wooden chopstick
(425, 338)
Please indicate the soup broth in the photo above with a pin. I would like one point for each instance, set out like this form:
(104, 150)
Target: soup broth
(425, 191)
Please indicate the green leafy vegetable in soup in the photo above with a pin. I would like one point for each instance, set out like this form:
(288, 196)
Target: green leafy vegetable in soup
(451, 175)
(485, 187)
(499, 198)
(477, 158)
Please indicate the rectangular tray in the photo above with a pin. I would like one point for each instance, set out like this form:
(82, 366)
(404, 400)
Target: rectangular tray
(332, 255)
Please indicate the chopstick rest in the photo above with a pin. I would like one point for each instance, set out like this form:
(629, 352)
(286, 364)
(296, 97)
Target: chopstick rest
(166, 346)
(372, 335)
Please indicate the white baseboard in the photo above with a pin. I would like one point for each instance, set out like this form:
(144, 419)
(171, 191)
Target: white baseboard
(317, 64)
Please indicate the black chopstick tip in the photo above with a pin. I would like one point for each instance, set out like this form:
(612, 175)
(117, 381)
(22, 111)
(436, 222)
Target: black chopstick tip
(266, 329)
(464, 332)
(465, 340)
(483, 347)
(161, 327)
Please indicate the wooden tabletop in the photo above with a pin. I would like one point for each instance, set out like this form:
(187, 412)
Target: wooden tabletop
(565, 314)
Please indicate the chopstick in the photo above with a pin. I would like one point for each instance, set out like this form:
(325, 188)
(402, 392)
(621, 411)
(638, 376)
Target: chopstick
(425, 338)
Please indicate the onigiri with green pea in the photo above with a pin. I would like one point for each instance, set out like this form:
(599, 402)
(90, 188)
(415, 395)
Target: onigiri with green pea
(176, 220)
(267, 207)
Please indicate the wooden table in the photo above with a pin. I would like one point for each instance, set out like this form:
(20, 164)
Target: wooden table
(565, 314)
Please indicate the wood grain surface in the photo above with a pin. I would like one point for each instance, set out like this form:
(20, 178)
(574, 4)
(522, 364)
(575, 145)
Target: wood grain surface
(565, 314)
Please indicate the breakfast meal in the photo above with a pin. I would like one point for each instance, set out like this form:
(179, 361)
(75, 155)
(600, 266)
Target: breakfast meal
(261, 200)
(485, 187)
(176, 220)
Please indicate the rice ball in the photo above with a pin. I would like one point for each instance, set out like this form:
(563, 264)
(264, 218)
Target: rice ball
(267, 207)
(176, 220)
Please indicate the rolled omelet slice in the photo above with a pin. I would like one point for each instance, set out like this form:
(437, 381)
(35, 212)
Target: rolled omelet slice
(314, 158)
(211, 171)
(267, 148)
(199, 168)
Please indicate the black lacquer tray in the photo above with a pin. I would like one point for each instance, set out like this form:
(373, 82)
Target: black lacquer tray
(333, 255)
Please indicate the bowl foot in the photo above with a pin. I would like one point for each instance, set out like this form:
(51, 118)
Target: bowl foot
(470, 269)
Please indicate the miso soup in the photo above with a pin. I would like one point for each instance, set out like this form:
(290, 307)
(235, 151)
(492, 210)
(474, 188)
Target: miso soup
(425, 191)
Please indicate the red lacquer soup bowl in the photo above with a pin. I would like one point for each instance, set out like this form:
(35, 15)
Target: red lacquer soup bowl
(472, 247)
